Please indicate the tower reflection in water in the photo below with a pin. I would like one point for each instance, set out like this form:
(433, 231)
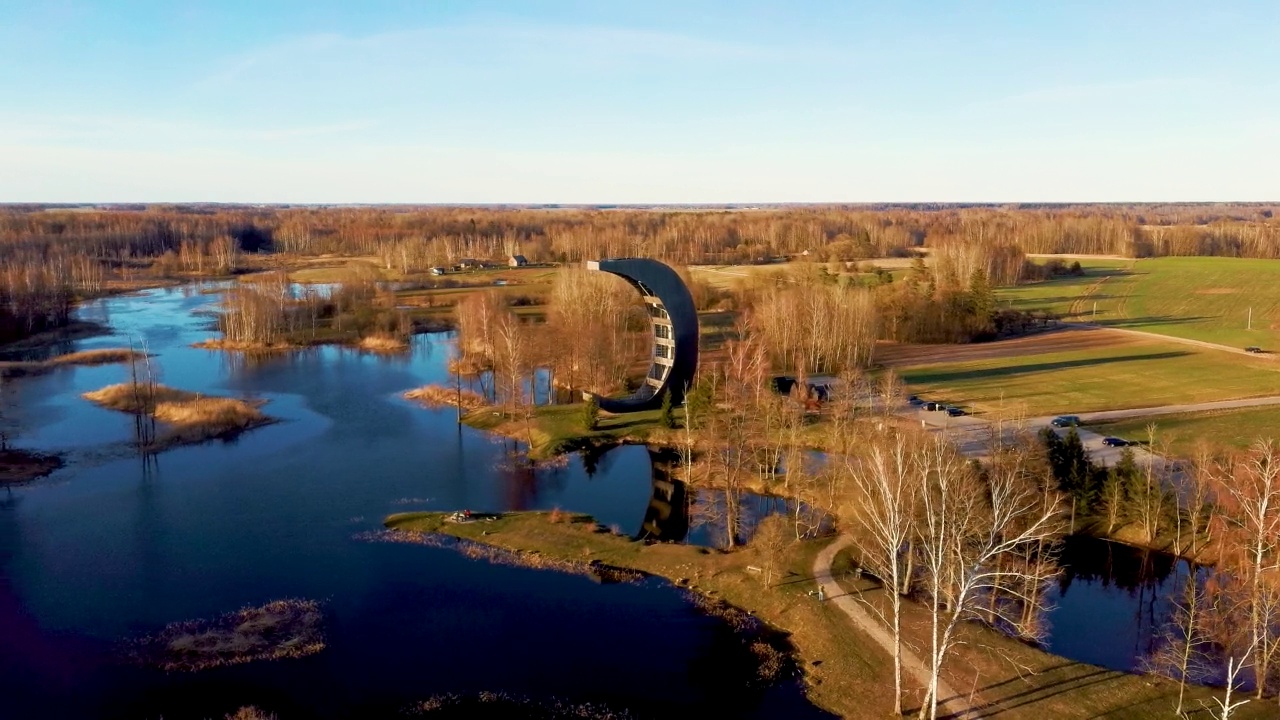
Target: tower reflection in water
(667, 517)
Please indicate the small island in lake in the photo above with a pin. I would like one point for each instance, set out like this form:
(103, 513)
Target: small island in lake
(186, 417)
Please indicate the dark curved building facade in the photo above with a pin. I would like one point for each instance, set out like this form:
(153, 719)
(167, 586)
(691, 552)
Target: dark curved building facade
(674, 318)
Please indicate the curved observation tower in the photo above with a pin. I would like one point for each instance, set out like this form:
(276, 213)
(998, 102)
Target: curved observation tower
(675, 331)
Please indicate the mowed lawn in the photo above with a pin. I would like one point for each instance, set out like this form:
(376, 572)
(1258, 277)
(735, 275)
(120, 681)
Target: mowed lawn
(1219, 429)
(1127, 374)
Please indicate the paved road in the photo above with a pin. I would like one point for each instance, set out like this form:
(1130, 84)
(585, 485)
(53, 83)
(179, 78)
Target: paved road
(950, 703)
(973, 434)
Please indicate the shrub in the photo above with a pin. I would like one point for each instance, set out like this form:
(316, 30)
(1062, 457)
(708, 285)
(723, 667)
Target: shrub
(591, 413)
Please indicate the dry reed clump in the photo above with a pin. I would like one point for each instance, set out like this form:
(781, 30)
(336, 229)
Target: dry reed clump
(212, 412)
(441, 396)
(244, 346)
(137, 398)
(99, 357)
(278, 630)
(189, 417)
(383, 343)
(84, 357)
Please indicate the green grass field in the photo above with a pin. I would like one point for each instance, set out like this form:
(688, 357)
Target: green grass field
(1066, 296)
(1126, 375)
(1226, 428)
(1198, 298)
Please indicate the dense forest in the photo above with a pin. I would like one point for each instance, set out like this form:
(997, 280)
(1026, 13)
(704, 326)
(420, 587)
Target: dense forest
(52, 255)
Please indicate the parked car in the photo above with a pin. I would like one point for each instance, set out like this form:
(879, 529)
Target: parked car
(915, 401)
(1065, 421)
(931, 406)
(956, 412)
(940, 407)
(1114, 442)
(1253, 349)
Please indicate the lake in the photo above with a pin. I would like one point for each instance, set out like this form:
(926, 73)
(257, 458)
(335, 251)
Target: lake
(115, 546)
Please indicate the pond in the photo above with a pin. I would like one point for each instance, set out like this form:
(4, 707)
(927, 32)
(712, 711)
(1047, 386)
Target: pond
(113, 547)
(1112, 601)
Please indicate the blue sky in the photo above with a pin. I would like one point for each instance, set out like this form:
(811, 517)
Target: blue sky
(656, 101)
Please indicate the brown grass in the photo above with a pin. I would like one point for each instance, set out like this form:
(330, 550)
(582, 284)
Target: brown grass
(239, 346)
(441, 396)
(209, 411)
(382, 343)
(139, 398)
(84, 357)
(275, 631)
(189, 417)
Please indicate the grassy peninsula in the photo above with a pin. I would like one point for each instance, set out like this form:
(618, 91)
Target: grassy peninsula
(845, 672)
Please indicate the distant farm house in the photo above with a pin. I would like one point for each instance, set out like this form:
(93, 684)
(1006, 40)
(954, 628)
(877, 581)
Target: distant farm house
(469, 264)
(517, 261)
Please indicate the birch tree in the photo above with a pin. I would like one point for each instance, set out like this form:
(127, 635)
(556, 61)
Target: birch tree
(886, 486)
(977, 534)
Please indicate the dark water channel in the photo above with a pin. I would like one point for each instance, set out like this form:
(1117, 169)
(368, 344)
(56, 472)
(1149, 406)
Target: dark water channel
(112, 547)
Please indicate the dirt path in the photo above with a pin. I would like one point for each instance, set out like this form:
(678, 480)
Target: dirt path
(950, 703)
(1076, 309)
(1173, 339)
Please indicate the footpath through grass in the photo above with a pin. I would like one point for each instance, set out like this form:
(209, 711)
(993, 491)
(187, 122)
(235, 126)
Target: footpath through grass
(845, 672)
(1126, 375)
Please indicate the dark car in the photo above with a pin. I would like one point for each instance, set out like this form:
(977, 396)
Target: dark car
(1114, 442)
(956, 412)
(914, 400)
(931, 406)
(1065, 421)
(1253, 349)
(940, 407)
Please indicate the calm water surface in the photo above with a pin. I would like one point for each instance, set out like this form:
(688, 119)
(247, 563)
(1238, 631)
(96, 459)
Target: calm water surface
(112, 547)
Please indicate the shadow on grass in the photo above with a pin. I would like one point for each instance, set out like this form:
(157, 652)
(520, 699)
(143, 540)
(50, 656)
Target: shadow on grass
(942, 377)
(1087, 676)
(1151, 320)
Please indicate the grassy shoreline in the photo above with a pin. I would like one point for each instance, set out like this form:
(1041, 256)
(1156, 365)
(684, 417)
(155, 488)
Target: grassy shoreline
(844, 672)
(841, 673)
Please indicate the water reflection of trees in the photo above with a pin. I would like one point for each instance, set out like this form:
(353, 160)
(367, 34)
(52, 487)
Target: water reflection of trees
(1108, 564)
(715, 517)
